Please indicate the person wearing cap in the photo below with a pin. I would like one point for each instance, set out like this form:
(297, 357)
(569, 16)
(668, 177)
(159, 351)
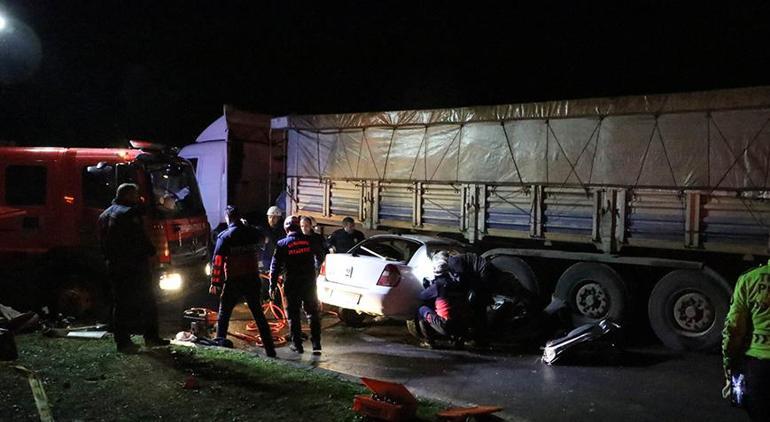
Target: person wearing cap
(746, 341)
(342, 240)
(273, 233)
(294, 257)
(317, 242)
(235, 275)
(446, 304)
(127, 251)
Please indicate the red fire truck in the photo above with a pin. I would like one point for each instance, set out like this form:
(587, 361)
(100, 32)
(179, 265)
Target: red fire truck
(50, 199)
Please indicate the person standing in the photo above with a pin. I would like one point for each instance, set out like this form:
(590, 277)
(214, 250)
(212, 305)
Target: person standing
(746, 340)
(294, 258)
(235, 275)
(127, 251)
(317, 242)
(342, 240)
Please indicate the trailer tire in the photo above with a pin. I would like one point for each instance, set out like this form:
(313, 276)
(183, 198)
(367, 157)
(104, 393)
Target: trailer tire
(351, 318)
(687, 309)
(593, 291)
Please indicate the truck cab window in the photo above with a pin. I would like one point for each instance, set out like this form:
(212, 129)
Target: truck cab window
(175, 192)
(25, 185)
(98, 189)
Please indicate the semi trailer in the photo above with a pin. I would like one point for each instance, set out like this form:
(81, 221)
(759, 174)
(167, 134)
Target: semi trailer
(618, 206)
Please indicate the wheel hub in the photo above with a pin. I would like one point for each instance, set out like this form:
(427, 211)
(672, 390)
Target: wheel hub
(693, 312)
(592, 300)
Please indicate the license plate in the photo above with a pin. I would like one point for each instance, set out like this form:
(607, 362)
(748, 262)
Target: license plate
(346, 297)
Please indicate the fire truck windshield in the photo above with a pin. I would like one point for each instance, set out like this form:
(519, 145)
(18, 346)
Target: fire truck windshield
(175, 191)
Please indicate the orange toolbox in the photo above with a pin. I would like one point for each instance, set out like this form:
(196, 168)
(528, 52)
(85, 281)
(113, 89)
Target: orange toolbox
(389, 401)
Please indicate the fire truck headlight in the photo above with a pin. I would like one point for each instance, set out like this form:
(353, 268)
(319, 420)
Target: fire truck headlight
(207, 270)
(171, 281)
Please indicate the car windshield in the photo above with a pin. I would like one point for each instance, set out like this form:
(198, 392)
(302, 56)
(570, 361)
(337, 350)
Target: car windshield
(175, 191)
(387, 248)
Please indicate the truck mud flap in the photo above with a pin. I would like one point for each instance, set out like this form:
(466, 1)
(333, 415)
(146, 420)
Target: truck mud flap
(593, 343)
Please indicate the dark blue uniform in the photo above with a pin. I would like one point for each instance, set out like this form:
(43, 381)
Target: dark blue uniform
(295, 255)
(236, 270)
(127, 250)
(446, 307)
(343, 241)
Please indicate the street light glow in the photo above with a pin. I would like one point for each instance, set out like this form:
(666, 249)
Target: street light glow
(2, 22)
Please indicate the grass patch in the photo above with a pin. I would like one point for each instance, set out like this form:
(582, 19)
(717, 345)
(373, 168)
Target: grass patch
(89, 380)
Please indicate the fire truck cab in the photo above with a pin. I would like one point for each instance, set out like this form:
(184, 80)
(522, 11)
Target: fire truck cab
(51, 198)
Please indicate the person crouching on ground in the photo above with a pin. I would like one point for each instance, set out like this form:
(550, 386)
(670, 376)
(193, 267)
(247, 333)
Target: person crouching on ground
(446, 304)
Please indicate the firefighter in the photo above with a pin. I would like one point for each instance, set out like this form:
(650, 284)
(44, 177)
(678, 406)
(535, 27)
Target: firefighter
(295, 256)
(446, 308)
(235, 275)
(345, 238)
(746, 340)
(128, 250)
(273, 232)
(317, 241)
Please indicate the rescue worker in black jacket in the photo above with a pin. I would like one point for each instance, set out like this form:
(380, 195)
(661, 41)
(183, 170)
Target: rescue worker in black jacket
(235, 275)
(345, 238)
(446, 308)
(128, 250)
(317, 242)
(295, 255)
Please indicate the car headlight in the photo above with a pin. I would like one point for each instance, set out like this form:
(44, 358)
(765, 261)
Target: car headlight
(171, 281)
(207, 270)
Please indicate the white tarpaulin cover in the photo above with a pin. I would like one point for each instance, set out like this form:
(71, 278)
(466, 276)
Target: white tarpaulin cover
(714, 139)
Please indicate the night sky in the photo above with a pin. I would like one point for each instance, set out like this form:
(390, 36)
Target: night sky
(100, 72)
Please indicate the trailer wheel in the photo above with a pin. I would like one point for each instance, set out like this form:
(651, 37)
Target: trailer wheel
(517, 268)
(592, 291)
(351, 318)
(687, 309)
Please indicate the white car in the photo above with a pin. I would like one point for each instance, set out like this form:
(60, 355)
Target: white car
(380, 276)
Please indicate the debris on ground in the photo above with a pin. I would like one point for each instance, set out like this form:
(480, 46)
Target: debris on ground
(389, 402)
(18, 322)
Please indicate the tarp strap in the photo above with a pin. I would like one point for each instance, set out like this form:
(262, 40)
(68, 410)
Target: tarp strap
(387, 155)
(446, 151)
(736, 159)
(566, 157)
(732, 153)
(510, 150)
(590, 137)
(417, 156)
(493, 190)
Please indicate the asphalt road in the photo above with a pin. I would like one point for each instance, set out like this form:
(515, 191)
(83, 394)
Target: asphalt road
(645, 383)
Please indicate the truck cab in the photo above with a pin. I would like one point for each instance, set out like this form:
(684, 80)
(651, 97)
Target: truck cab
(51, 198)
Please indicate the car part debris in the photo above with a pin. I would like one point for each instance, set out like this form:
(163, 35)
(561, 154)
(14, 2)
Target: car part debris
(602, 334)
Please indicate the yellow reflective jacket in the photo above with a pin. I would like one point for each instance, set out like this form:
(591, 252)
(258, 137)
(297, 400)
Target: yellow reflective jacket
(747, 326)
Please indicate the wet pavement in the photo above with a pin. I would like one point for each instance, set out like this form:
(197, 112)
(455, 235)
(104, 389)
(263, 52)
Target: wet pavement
(645, 383)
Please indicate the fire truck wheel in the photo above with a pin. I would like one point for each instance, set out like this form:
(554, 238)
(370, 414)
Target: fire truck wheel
(351, 318)
(687, 309)
(593, 291)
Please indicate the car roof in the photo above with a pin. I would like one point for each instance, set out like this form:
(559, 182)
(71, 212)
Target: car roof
(420, 238)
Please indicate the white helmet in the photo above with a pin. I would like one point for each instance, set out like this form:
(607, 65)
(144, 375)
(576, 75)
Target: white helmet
(274, 211)
(440, 262)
